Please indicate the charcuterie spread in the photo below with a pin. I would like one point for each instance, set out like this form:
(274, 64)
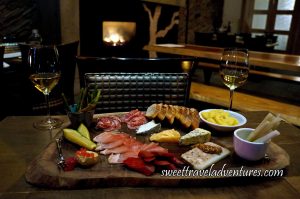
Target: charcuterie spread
(145, 157)
(131, 145)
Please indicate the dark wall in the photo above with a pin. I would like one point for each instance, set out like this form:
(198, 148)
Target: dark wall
(49, 20)
(19, 17)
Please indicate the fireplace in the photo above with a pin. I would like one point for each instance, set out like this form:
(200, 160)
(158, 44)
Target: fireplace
(119, 28)
(112, 28)
(117, 33)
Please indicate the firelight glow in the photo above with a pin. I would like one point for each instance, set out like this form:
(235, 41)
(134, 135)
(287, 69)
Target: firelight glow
(118, 33)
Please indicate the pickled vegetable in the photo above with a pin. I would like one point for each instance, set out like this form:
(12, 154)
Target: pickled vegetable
(220, 117)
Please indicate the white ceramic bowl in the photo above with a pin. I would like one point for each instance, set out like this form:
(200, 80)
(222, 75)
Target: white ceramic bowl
(241, 119)
(248, 150)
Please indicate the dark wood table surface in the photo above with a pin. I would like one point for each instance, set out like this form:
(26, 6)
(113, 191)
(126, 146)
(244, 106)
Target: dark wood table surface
(20, 143)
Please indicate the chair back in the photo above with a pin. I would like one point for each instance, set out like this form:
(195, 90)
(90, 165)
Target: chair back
(127, 91)
(24, 48)
(133, 65)
(2, 48)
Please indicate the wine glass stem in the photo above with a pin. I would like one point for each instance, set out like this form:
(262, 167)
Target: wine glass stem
(231, 98)
(48, 107)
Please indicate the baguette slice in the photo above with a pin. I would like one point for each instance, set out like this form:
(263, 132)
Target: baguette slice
(184, 119)
(201, 160)
(162, 113)
(152, 111)
(170, 115)
(188, 118)
(177, 112)
(195, 118)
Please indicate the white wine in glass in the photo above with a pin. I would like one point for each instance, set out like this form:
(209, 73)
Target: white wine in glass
(45, 75)
(234, 69)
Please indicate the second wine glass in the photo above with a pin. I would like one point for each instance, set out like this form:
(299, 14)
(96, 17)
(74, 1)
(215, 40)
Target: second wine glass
(234, 69)
(45, 74)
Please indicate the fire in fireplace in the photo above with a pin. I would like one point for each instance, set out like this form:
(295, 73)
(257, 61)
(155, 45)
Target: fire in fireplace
(117, 28)
(118, 33)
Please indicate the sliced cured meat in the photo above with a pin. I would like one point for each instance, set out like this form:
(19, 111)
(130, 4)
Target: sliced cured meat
(128, 116)
(146, 155)
(137, 121)
(119, 149)
(101, 136)
(151, 150)
(139, 165)
(176, 161)
(161, 162)
(134, 119)
(109, 123)
(104, 122)
(143, 158)
(120, 157)
(109, 145)
(154, 148)
(108, 137)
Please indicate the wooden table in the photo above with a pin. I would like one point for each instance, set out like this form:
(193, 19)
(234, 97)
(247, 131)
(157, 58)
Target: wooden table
(20, 143)
(268, 60)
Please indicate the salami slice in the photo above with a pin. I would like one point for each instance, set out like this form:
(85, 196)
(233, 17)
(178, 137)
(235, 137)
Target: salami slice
(104, 122)
(109, 123)
(134, 113)
(137, 121)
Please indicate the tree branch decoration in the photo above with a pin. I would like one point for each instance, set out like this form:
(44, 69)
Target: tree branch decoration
(153, 19)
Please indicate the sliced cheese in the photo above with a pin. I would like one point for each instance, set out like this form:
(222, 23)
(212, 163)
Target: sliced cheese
(201, 160)
(196, 136)
(148, 127)
(170, 135)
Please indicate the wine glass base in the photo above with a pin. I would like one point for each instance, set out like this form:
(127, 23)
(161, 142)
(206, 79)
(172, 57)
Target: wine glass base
(48, 124)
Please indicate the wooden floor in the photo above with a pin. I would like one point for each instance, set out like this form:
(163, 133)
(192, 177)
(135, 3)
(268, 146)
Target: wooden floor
(244, 102)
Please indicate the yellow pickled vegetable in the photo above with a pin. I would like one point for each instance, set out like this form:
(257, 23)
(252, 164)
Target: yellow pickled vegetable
(220, 117)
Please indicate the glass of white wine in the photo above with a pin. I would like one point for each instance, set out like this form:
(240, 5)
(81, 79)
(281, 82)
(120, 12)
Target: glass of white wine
(45, 74)
(234, 69)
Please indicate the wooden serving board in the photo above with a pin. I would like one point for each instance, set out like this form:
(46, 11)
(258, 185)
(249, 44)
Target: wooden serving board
(43, 170)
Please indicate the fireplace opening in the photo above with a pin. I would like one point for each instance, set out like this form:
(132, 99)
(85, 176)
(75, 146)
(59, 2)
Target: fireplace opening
(117, 28)
(117, 33)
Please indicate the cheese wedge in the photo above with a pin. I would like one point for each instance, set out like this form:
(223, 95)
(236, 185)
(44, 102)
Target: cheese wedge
(170, 135)
(196, 136)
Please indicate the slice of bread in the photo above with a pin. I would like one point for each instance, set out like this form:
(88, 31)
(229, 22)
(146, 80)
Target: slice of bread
(201, 160)
(152, 111)
(195, 118)
(162, 113)
(184, 118)
(177, 112)
(187, 117)
(170, 115)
